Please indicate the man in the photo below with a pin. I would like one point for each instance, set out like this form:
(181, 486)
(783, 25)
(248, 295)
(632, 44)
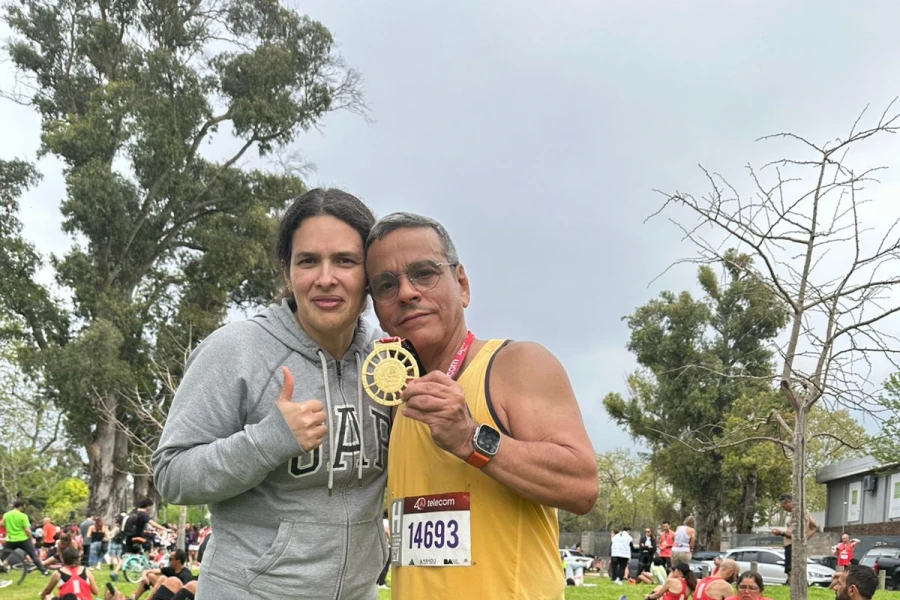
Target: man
(84, 526)
(137, 538)
(787, 504)
(844, 552)
(666, 541)
(503, 446)
(134, 529)
(154, 578)
(50, 531)
(18, 535)
(718, 586)
(859, 582)
(620, 554)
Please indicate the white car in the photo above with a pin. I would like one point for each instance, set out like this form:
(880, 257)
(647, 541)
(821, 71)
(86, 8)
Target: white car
(770, 564)
(575, 559)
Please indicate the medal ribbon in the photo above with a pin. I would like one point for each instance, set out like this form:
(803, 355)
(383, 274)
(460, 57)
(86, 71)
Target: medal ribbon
(457, 361)
(460, 355)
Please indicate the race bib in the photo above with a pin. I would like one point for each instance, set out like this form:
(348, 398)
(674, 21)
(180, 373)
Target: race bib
(844, 556)
(431, 531)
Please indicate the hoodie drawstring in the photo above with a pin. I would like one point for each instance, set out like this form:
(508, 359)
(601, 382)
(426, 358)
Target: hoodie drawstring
(330, 433)
(361, 419)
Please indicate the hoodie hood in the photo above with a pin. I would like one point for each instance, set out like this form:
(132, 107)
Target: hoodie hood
(279, 320)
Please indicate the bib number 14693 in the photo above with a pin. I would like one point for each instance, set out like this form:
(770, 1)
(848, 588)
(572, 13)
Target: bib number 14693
(431, 531)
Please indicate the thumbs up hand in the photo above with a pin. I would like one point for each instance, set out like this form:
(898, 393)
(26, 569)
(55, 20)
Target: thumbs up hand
(306, 419)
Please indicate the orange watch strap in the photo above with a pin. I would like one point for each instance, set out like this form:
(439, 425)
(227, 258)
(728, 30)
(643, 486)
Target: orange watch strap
(477, 459)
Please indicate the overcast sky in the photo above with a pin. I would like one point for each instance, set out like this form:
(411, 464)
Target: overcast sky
(536, 132)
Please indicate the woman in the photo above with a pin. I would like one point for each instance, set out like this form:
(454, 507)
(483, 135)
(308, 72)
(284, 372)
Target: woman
(72, 578)
(271, 429)
(750, 587)
(192, 539)
(646, 551)
(97, 535)
(680, 584)
(656, 574)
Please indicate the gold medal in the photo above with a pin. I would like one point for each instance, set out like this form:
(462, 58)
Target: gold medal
(386, 369)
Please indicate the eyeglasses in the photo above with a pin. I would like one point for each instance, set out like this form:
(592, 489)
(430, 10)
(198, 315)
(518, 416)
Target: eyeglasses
(423, 275)
(748, 588)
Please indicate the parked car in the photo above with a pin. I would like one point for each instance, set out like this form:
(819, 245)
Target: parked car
(887, 559)
(770, 564)
(706, 555)
(576, 559)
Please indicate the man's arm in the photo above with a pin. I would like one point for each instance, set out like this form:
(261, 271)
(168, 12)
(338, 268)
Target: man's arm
(811, 526)
(547, 458)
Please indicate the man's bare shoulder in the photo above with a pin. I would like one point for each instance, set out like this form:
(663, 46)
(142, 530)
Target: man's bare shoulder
(528, 358)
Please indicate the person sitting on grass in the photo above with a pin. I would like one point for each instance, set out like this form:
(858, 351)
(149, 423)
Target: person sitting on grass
(72, 578)
(657, 574)
(166, 588)
(750, 587)
(679, 585)
(53, 560)
(176, 569)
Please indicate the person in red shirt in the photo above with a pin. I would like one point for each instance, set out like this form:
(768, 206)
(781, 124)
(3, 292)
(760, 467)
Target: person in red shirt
(49, 533)
(844, 552)
(718, 585)
(664, 545)
(681, 583)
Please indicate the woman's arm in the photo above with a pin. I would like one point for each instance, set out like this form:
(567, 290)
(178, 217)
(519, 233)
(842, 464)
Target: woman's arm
(51, 585)
(94, 589)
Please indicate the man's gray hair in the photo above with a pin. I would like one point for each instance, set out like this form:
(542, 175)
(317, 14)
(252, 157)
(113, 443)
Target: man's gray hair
(405, 220)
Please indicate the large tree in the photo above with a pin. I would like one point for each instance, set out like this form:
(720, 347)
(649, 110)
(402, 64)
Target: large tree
(833, 261)
(150, 107)
(688, 350)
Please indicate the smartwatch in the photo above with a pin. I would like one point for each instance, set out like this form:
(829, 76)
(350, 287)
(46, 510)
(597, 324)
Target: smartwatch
(485, 443)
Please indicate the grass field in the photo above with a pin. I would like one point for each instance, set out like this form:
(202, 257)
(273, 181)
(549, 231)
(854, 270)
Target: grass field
(604, 590)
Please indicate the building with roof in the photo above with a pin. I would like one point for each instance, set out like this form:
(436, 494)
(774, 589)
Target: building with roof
(863, 497)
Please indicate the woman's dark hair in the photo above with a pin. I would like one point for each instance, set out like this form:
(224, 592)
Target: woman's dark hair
(659, 561)
(314, 203)
(689, 578)
(756, 577)
(70, 556)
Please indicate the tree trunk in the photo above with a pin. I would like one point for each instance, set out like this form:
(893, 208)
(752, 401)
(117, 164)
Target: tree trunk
(747, 511)
(144, 488)
(107, 457)
(798, 513)
(182, 521)
(707, 522)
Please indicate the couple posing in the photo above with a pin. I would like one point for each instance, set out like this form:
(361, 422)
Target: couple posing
(271, 428)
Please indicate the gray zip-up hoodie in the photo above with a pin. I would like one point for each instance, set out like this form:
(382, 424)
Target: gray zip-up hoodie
(285, 523)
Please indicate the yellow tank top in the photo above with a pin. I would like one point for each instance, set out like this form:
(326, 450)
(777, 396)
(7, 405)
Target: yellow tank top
(515, 542)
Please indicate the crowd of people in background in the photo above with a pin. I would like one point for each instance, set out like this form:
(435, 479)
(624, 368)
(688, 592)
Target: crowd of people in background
(68, 553)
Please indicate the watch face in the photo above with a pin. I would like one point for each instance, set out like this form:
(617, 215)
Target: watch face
(488, 440)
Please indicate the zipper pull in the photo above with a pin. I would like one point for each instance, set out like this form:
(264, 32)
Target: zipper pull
(337, 366)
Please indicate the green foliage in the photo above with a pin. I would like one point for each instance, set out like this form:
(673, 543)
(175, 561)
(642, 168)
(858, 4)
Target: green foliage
(172, 512)
(66, 496)
(165, 238)
(34, 454)
(697, 358)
